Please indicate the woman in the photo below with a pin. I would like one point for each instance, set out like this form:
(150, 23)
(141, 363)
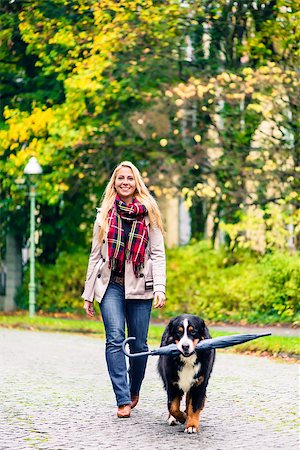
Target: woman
(126, 270)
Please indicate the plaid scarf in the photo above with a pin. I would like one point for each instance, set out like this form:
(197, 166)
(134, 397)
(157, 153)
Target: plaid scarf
(134, 249)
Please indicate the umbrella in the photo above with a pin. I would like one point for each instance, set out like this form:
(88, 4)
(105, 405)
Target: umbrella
(206, 344)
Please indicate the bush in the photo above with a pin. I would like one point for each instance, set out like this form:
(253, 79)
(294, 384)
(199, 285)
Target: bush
(282, 298)
(218, 285)
(233, 286)
(59, 286)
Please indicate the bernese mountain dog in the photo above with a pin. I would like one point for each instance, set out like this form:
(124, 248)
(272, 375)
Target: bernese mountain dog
(187, 373)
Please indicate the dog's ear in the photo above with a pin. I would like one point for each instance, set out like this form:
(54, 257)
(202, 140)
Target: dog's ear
(203, 330)
(167, 337)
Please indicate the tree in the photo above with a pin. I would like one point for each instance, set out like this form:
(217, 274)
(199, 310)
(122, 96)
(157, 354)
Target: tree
(246, 96)
(105, 62)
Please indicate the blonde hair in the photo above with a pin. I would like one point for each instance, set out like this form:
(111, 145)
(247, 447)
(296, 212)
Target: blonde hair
(142, 194)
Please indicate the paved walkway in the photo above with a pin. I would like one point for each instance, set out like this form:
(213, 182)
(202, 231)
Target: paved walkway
(55, 394)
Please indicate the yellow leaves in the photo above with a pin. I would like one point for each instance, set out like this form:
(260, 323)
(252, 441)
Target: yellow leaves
(179, 102)
(163, 142)
(269, 166)
(253, 155)
(225, 77)
(248, 71)
(180, 113)
(249, 90)
(185, 91)
(22, 125)
(204, 191)
(4, 141)
(261, 229)
(19, 159)
(8, 113)
(64, 36)
(39, 120)
(255, 107)
(234, 88)
(249, 232)
(200, 91)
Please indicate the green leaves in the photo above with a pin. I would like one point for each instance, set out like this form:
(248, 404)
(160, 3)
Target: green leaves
(181, 89)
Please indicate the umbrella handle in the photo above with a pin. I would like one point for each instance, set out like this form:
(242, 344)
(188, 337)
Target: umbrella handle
(133, 355)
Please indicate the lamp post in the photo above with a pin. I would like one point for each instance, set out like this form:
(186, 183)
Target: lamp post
(32, 169)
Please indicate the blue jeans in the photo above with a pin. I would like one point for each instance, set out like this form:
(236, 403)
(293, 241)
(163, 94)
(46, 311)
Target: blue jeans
(115, 312)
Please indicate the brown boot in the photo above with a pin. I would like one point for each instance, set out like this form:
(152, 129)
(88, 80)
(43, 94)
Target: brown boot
(134, 400)
(124, 411)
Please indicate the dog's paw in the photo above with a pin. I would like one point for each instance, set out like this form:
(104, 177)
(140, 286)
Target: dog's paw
(172, 421)
(191, 430)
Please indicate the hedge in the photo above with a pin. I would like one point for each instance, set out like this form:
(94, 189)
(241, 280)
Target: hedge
(217, 285)
(233, 287)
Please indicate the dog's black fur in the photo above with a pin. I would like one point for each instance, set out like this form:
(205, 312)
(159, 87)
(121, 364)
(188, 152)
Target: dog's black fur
(188, 372)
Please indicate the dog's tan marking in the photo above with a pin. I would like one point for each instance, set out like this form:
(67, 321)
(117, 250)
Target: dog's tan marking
(190, 328)
(193, 417)
(174, 410)
(187, 399)
(199, 381)
(180, 328)
(195, 342)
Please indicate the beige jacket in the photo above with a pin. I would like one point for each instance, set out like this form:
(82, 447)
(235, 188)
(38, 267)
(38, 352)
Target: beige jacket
(151, 279)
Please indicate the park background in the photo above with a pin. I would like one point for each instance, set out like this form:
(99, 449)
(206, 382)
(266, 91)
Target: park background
(204, 98)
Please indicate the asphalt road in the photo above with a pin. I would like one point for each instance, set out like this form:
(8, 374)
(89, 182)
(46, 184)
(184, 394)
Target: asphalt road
(55, 394)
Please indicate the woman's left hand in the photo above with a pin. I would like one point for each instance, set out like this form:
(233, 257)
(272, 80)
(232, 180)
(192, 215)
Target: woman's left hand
(159, 299)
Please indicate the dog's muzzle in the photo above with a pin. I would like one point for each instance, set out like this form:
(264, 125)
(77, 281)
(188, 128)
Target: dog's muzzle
(185, 349)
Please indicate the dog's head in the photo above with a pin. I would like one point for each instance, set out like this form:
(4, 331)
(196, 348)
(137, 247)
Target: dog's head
(185, 331)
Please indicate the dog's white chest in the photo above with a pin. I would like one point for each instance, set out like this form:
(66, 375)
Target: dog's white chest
(188, 372)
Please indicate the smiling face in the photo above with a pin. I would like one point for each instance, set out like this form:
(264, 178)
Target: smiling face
(125, 184)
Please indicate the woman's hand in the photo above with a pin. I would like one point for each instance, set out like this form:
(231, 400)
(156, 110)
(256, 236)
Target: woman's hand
(159, 299)
(89, 308)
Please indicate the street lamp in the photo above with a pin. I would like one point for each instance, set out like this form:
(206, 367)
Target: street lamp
(32, 169)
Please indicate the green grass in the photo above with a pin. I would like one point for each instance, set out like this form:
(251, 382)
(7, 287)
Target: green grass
(272, 345)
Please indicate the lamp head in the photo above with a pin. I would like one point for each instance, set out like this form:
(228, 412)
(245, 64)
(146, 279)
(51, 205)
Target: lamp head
(33, 167)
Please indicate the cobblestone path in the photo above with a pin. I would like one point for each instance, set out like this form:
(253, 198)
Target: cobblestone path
(55, 394)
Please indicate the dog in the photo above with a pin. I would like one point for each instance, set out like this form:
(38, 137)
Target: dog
(189, 372)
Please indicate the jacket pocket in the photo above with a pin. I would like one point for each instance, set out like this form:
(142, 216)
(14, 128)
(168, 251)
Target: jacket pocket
(148, 275)
(98, 282)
